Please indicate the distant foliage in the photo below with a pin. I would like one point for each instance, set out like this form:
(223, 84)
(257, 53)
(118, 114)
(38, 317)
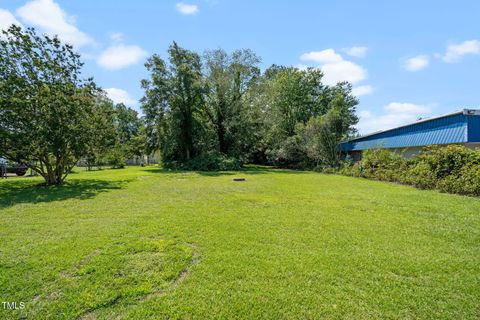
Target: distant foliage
(212, 161)
(452, 169)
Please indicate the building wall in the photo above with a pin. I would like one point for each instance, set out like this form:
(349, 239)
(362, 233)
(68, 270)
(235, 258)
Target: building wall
(455, 128)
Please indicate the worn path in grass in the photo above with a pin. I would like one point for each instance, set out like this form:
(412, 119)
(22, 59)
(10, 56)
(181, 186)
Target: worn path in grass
(142, 243)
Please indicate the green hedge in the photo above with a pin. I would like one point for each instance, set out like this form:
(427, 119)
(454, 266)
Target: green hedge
(452, 169)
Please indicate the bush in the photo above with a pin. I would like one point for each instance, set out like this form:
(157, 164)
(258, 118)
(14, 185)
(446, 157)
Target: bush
(452, 169)
(420, 175)
(213, 161)
(467, 182)
(290, 154)
(116, 159)
(382, 165)
(447, 160)
(349, 169)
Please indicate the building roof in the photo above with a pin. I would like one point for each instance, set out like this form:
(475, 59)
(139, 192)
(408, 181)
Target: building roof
(457, 127)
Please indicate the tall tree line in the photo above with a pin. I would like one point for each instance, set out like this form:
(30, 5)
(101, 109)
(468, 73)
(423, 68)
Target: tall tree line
(208, 111)
(218, 110)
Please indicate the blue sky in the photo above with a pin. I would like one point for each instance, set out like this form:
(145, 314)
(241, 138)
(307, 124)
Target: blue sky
(406, 59)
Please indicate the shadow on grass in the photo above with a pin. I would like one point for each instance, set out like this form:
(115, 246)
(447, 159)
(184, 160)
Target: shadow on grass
(248, 169)
(15, 192)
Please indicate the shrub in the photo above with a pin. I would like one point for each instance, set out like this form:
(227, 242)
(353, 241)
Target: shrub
(116, 158)
(382, 165)
(453, 169)
(446, 160)
(467, 182)
(290, 154)
(212, 161)
(351, 169)
(420, 175)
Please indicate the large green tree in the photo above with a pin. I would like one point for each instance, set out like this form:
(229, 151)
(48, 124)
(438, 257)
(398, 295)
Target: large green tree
(48, 112)
(228, 78)
(172, 104)
(292, 97)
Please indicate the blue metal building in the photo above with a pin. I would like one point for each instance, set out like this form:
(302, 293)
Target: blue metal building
(461, 127)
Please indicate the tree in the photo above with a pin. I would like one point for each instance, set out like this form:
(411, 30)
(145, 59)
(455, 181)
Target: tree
(292, 98)
(103, 136)
(47, 110)
(228, 78)
(155, 103)
(321, 136)
(172, 103)
(128, 140)
(186, 99)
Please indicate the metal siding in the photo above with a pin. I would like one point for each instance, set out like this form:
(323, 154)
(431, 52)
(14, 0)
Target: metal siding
(449, 129)
(473, 129)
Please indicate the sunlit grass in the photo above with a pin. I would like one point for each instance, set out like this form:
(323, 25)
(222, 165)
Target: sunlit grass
(143, 243)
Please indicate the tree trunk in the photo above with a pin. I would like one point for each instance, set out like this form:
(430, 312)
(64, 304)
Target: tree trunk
(53, 178)
(222, 144)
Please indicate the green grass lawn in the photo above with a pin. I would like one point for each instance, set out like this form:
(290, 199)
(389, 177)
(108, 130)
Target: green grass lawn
(142, 243)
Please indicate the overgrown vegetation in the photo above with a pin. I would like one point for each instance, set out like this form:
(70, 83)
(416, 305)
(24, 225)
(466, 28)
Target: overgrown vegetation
(220, 111)
(452, 169)
(214, 111)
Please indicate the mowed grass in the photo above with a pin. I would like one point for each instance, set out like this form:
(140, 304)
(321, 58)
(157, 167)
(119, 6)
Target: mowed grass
(142, 243)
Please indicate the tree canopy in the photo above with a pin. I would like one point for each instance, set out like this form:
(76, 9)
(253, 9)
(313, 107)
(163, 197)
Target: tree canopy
(48, 111)
(211, 111)
(222, 108)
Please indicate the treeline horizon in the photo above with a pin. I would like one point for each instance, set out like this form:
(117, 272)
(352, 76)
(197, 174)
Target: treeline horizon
(218, 110)
(210, 111)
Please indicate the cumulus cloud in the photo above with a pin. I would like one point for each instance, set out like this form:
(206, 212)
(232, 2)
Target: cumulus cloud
(334, 67)
(52, 19)
(7, 19)
(186, 9)
(417, 63)
(120, 96)
(396, 114)
(455, 52)
(357, 52)
(324, 56)
(409, 108)
(362, 90)
(119, 56)
(343, 71)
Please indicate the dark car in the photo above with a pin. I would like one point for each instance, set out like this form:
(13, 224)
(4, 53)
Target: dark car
(19, 169)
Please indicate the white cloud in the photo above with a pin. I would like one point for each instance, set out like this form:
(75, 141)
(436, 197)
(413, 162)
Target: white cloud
(119, 56)
(417, 63)
(410, 108)
(396, 114)
(362, 90)
(187, 9)
(324, 56)
(456, 51)
(49, 16)
(120, 96)
(343, 71)
(7, 19)
(357, 52)
(335, 68)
